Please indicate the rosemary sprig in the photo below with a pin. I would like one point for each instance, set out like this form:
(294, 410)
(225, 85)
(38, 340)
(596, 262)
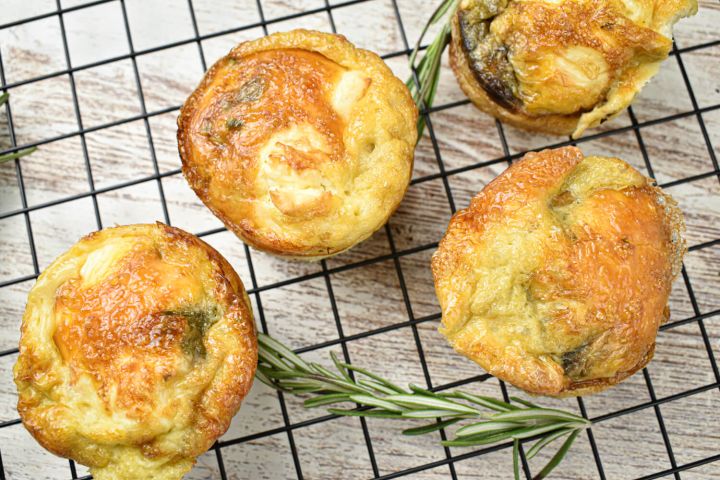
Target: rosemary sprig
(280, 368)
(424, 79)
(12, 156)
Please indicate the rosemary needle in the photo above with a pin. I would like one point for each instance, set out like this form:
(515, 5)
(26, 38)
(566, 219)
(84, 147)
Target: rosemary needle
(423, 82)
(21, 153)
(12, 156)
(282, 369)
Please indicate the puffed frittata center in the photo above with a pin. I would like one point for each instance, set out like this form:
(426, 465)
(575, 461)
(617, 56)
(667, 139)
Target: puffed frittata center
(280, 114)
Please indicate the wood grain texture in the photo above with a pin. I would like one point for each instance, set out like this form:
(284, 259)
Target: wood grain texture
(369, 297)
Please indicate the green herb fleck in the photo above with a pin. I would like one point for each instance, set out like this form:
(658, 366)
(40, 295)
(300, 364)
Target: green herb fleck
(199, 320)
(206, 130)
(206, 127)
(251, 90)
(234, 123)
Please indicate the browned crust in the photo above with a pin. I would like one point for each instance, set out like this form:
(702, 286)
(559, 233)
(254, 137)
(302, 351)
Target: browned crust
(634, 229)
(588, 387)
(335, 47)
(553, 124)
(37, 377)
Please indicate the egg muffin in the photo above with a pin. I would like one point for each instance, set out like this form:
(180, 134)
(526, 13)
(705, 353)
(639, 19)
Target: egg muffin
(557, 276)
(137, 347)
(560, 66)
(299, 142)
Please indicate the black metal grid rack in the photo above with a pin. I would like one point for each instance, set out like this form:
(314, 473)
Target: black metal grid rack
(395, 254)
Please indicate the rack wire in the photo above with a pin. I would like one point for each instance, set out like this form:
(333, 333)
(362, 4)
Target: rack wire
(327, 272)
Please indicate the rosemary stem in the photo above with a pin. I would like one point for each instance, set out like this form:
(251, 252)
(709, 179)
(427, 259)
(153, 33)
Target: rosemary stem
(424, 79)
(279, 367)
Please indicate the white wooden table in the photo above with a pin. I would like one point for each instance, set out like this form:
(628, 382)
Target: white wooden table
(382, 290)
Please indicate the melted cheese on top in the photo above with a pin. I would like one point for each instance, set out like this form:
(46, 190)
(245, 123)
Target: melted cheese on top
(575, 57)
(557, 276)
(302, 150)
(137, 348)
(291, 134)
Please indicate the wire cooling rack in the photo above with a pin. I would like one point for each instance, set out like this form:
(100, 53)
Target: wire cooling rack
(660, 423)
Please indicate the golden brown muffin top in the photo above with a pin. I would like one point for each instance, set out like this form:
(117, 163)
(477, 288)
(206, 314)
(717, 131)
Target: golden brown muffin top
(137, 347)
(581, 58)
(557, 276)
(301, 143)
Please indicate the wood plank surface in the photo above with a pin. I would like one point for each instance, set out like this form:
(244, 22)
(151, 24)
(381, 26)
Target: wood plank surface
(369, 297)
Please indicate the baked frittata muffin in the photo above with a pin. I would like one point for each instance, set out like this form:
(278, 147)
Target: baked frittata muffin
(560, 66)
(299, 142)
(557, 276)
(137, 347)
